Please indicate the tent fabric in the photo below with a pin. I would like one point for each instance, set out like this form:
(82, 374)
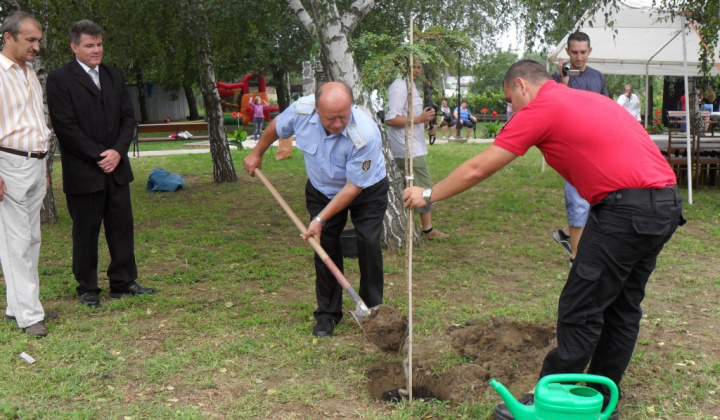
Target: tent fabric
(641, 41)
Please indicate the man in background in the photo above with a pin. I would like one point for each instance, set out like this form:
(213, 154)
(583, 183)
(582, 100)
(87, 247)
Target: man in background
(24, 138)
(397, 122)
(630, 101)
(583, 78)
(95, 123)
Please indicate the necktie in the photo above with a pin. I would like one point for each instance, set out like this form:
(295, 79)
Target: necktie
(95, 76)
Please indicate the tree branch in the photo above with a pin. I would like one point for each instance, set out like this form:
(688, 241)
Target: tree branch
(356, 13)
(303, 15)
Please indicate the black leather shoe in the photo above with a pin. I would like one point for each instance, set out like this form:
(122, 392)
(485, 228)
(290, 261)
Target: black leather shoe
(134, 289)
(502, 413)
(323, 328)
(90, 299)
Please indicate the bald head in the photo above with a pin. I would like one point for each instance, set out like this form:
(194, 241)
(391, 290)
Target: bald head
(333, 103)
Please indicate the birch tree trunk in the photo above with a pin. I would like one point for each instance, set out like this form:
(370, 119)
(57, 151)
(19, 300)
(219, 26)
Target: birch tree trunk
(332, 30)
(48, 213)
(223, 169)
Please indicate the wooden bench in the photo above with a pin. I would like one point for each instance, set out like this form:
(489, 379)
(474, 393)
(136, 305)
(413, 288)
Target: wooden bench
(169, 129)
(172, 128)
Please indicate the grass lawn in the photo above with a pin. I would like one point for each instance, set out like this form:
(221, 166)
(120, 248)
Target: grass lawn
(228, 334)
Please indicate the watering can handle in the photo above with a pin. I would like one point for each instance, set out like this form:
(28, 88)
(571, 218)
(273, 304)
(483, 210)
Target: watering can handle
(588, 378)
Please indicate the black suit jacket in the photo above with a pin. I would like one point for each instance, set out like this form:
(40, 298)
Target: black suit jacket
(89, 121)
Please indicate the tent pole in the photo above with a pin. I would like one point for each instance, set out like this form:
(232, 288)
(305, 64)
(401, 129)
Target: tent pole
(647, 92)
(687, 112)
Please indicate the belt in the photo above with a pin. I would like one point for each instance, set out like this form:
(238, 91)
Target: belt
(642, 194)
(25, 153)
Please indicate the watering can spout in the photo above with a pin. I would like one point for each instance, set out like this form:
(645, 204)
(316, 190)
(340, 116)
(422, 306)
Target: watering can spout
(518, 410)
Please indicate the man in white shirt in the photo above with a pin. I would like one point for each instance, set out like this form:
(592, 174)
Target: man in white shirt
(24, 137)
(630, 101)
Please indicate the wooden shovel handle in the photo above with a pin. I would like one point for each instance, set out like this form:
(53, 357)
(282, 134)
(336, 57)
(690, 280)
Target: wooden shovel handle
(300, 225)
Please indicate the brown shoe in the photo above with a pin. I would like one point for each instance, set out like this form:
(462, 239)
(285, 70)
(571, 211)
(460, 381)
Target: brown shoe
(435, 234)
(37, 329)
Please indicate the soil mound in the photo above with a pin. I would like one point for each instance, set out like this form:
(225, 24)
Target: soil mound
(511, 352)
(386, 327)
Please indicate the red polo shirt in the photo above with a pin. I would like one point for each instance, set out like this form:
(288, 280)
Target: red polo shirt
(590, 140)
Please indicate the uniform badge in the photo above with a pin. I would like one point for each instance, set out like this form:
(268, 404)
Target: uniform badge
(366, 165)
(304, 108)
(354, 133)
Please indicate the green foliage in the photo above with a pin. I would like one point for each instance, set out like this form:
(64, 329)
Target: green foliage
(490, 101)
(488, 74)
(387, 57)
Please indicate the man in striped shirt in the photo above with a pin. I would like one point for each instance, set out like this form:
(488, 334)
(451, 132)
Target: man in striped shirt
(24, 139)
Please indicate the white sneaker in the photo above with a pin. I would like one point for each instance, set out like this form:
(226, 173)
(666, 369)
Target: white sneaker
(443, 138)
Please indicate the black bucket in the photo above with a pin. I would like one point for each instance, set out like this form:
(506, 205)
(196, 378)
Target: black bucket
(348, 243)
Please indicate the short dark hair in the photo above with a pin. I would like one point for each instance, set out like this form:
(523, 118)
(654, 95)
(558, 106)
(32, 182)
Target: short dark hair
(579, 37)
(84, 27)
(320, 88)
(527, 69)
(13, 22)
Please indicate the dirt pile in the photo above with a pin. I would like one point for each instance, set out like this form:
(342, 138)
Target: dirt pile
(511, 352)
(386, 327)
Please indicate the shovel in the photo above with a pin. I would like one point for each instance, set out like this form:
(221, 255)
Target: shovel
(361, 309)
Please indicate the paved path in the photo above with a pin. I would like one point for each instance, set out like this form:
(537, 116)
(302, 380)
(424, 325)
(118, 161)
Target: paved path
(204, 147)
(199, 148)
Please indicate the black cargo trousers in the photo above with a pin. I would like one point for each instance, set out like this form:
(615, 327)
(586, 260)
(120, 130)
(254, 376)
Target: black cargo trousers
(599, 309)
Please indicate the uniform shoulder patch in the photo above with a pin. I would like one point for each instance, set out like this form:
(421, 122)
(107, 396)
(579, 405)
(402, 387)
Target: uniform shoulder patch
(355, 136)
(305, 108)
(366, 165)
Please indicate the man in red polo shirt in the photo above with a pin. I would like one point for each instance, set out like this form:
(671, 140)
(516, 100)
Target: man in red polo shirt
(599, 148)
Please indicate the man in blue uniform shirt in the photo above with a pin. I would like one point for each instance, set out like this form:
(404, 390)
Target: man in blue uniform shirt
(346, 172)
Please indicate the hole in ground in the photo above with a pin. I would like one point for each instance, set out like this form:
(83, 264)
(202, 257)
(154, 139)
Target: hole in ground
(509, 351)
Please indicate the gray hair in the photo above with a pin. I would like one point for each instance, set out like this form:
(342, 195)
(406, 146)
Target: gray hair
(84, 27)
(13, 22)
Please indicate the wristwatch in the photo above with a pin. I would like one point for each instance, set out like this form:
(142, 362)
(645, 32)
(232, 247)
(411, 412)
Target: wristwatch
(426, 194)
(319, 220)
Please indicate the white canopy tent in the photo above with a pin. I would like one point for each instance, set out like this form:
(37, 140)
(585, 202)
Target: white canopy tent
(640, 40)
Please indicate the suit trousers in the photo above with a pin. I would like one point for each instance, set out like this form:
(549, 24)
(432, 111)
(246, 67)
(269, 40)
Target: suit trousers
(599, 309)
(111, 207)
(20, 235)
(367, 212)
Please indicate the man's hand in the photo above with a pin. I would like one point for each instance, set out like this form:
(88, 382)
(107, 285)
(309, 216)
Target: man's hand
(563, 79)
(110, 161)
(252, 161)
(427, 115)
(314, 229)
(3, 189)
(412, 197)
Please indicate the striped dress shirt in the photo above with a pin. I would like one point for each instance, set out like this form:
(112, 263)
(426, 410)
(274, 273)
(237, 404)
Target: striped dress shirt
(22, 114)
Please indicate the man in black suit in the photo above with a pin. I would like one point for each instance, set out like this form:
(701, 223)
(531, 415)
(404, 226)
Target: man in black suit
(94, 121)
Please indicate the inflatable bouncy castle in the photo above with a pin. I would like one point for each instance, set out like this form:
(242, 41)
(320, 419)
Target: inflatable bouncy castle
(240, 92)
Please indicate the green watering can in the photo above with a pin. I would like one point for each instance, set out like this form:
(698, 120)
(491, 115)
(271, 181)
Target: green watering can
(555, 400)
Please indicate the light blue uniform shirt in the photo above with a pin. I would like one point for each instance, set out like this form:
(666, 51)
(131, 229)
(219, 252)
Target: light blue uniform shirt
(354, 155)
